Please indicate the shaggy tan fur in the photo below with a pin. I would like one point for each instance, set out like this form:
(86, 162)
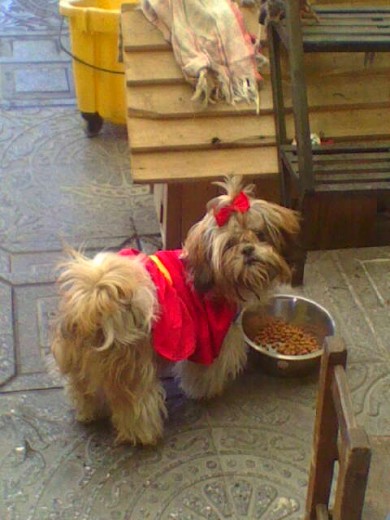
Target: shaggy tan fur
(103, 342)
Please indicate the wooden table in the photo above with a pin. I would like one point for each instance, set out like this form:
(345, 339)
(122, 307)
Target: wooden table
(178, 146)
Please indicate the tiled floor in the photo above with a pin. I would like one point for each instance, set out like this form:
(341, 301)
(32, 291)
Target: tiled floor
(242, 456)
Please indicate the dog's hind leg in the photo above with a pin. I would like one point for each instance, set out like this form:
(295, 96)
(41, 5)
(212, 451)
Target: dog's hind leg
(138, 417)
(200, 381)
(89, 404)
(135, 394)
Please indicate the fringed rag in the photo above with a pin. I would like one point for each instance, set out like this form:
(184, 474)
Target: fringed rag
(211, 45)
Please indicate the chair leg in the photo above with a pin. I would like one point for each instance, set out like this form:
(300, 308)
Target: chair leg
(325, 431)
(322, 512)
(301, 249)
(299, 268)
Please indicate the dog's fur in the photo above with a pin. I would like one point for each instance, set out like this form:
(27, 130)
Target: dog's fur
(103, 338)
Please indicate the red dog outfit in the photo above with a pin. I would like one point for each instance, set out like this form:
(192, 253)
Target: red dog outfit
(189, 325)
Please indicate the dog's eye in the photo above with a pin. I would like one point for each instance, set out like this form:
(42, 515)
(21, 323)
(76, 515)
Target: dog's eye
(261, 236)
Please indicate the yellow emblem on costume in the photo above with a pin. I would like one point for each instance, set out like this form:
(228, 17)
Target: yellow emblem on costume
(161, 267)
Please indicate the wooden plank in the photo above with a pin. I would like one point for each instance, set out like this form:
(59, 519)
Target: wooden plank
(167, 101)
(345, 148)
(349, 160)
(251, 131)
(150, 68)
(205, 164)
(337, 39)
(353, 474)
(363, 21)
(348, 90)
(354, 8)
(172, 213)
(336, 3)
(324, 64)
(140, 35)
(353, 29)
(366, 124)
(340, 219)
(354, 189)
(348, 17)
(200, 133)
(353, 178)
(345, 92)
(322, 512)
(325, 429)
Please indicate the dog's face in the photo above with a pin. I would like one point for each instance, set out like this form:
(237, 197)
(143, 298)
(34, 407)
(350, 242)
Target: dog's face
(242, 246)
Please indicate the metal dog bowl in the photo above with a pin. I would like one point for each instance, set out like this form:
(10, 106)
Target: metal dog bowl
(295, 310)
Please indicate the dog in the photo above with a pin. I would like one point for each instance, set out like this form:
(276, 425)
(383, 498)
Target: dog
(122, 314)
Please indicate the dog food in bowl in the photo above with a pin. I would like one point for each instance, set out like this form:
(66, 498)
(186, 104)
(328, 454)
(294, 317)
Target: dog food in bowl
(281, 331)
(286, 339)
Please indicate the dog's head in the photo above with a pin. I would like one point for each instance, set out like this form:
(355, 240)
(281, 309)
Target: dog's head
(242, 246)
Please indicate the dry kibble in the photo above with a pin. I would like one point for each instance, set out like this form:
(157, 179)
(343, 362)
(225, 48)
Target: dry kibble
(285, 338)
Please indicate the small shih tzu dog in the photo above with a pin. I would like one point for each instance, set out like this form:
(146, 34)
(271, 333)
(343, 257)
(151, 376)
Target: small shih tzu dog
(122, 314)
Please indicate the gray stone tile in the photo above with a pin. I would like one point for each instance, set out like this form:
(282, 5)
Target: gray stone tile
(59, 185)
(370, 385)
(189, 475)
(243, 455)
(47, 84)
(151, 243)
(42, 79)
(20, 16)
(33, 49)
(6, 50)
(354, 285)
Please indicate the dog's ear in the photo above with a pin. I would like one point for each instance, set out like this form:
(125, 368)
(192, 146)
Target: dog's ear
(283, 226)
(197, 256)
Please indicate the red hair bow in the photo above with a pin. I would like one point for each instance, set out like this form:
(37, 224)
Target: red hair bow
(239, 204)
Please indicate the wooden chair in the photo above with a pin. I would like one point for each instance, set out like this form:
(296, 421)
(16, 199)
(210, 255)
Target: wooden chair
(334, 173)
(337, 437)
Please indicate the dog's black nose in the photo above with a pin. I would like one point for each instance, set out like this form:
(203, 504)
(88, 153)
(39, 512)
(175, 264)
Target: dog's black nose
(248, 250)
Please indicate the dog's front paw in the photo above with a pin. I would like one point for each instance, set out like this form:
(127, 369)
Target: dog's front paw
(85, 417)
(90, 415)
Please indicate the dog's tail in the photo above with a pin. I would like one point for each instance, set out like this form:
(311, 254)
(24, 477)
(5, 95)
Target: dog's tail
(105, 301)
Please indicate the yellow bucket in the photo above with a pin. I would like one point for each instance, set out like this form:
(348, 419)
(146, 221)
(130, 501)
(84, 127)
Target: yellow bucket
(98, 76)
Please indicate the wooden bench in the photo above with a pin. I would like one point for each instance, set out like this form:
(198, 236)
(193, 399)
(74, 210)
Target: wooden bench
(178, 146)
(346, 178)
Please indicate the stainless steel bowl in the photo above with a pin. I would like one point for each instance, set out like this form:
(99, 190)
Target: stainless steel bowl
(295, 310)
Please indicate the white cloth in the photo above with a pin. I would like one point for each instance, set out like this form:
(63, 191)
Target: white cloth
(211, 45)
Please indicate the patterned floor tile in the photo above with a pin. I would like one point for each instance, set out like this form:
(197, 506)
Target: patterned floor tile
(197, 472)
(243, 455)
(354, 285)
(21, 16)
(59, 185)
(32, 85)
